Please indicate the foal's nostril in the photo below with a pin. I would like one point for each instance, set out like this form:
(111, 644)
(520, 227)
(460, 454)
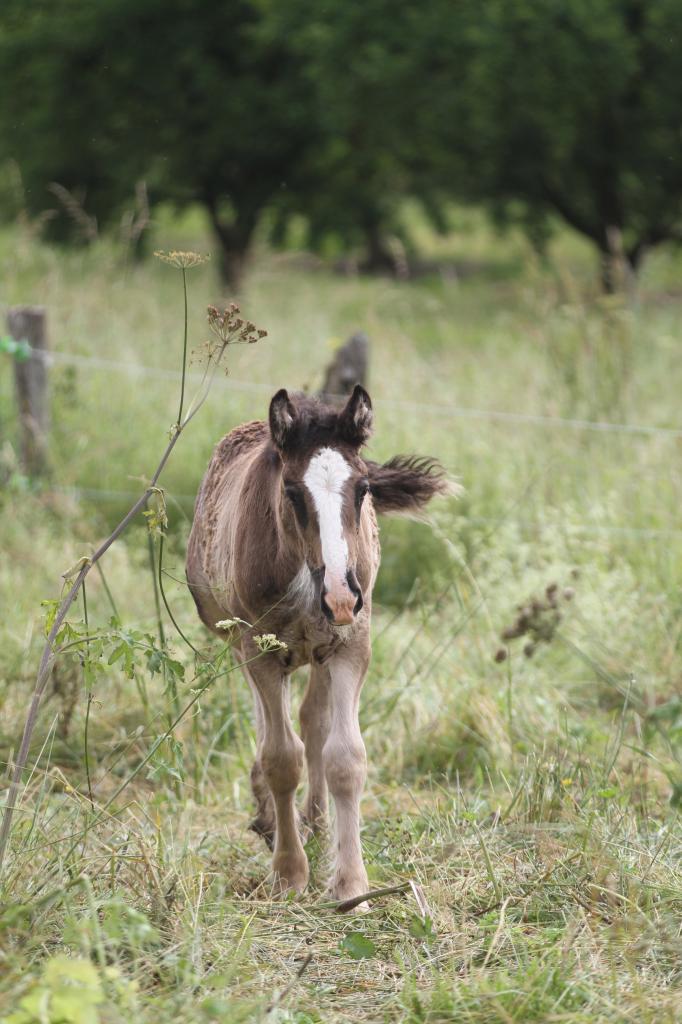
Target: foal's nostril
(354, 588)
(326, 610)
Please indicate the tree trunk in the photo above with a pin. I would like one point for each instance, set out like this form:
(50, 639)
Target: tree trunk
(234, 241)
(232, 262)
(635, 256)
(607, 271)
(379, 258)
(619, 265)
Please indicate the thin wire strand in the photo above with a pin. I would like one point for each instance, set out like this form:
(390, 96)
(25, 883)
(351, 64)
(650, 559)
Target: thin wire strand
(449, 411)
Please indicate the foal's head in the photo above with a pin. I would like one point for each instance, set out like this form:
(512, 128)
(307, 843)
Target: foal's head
(324, 483)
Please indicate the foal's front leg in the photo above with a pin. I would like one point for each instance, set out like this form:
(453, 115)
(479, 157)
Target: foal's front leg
(315, 717)
(281, 761)
(345, 764)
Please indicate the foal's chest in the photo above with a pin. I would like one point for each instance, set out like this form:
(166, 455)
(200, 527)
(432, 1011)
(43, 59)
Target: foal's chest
(311, 643)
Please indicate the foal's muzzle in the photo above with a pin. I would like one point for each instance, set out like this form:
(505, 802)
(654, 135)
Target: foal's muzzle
(341, 605)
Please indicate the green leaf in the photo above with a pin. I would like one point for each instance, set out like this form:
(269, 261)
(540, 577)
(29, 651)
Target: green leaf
(155, 661)
(68, 634)
(117, 653)
(177, 668)
(126, 651)
(50, 607)
(68, 992)
(422, 929)
(125, 926)
(358, 946)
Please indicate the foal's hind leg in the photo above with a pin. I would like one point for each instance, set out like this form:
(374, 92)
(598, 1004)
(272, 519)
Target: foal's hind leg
(315, 717)
(264, 822)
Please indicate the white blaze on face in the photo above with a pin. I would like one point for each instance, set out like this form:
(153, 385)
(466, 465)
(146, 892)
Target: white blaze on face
(325, 476)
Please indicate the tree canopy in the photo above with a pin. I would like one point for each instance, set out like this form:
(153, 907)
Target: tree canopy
(338, 111)
(200, 99)
(569, 109)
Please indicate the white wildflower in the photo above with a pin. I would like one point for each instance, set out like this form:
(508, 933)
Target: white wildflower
(228, 623)
(269, 642)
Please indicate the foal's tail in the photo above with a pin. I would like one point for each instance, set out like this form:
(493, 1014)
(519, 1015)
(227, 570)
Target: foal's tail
(406, 483)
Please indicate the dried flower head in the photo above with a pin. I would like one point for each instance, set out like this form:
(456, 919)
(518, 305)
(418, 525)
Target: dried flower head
(182, 260)
(538, 619)
(230, 329)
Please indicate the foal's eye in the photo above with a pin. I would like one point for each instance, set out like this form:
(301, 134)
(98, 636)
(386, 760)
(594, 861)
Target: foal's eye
(295, 497)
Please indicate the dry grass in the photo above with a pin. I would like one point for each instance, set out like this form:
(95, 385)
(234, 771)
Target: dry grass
(532, 801)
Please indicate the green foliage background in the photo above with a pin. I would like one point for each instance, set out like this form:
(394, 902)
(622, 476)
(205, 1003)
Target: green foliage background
(334, 113)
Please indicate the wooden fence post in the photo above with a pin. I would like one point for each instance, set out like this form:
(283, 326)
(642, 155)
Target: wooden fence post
(27, 323)
(348, 368)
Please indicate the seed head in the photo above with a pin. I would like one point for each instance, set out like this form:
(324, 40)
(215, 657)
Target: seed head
(231, 329)
(181, 260)
(539, 619)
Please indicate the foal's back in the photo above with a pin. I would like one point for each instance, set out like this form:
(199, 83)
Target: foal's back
(231, 500)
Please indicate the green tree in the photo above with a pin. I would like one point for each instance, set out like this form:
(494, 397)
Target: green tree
(351, 178)
(337, 111)
(201, 99)
(569, 109)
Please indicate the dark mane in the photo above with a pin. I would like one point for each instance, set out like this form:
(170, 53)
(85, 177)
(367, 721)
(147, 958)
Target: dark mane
(406, 484)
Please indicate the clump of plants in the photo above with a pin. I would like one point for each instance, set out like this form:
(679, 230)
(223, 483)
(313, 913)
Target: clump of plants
(537, 619)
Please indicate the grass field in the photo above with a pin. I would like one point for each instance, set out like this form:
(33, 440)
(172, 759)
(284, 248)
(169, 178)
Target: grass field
(527, 807)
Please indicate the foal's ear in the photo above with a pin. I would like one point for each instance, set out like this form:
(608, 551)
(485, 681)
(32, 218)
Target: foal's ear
(282, 418)
(355, 420)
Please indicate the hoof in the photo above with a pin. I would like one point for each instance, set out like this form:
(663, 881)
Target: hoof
(289, 875)
(345, 889)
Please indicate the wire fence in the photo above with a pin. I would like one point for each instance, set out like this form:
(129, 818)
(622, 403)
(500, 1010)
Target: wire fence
(450, 410)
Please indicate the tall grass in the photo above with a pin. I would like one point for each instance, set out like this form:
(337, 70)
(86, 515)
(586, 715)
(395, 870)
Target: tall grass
(532, 800)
